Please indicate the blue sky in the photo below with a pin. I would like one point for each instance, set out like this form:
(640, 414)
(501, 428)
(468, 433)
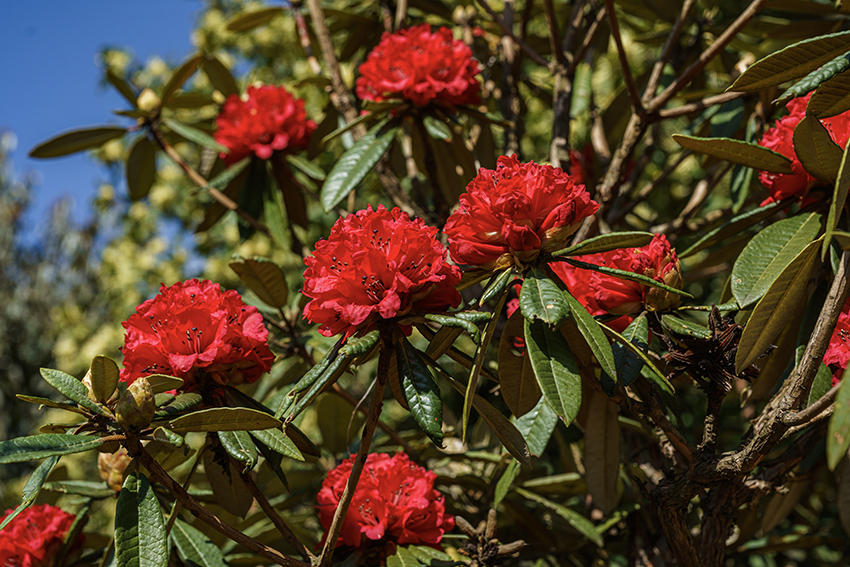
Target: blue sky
(51, 78)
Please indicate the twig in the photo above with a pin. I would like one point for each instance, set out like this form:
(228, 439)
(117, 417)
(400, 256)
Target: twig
(536, 57)
(589, 36)
(158, 473)
(372, 419)
(178, 505)
(278, 522)
(658, 69)
(802, 416)
(634, 97)
(304, 37)
(699, 105)
(400, 13)
(337, 389)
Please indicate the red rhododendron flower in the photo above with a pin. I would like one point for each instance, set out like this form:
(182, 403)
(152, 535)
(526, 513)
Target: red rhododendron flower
(780, 139)
(395, 501)
(269, 119)
(35, 536)
(420, 66)
(510, 215)
(377, 264)
(194, 330)
(838, 352)
(601, 293)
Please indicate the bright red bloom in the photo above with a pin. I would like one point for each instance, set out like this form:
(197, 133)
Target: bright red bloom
(35, 536)
(837, 354)
(780, 139)
(395, 501)
(269, 119)
(422, 67)
(510, 215)
(194, 330)
(377, 264)
(601, 293)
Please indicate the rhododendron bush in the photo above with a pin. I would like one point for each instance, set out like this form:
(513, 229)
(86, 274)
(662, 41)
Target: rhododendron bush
(533, 284)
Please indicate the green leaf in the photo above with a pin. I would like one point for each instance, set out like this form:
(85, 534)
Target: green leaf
(623, 274)
(541, 298)
(264, 278)
(123, 87)
(737, 151)
(194, 548)
(584, 526)
(427, 554)
(32, 488)
(555, 369)
(602, 451)
(40, 446)
(47, 402)
(420, 391)
(141, 168)
(815, 80)
(249, 20)
(178, 77)
(353, 165)
(163, 383)
(537, 426)
(180, 404)
(320, 382)
(166, 436)
(793, 62)
(87, 488)
(777, 306)
(838, 434)
(219, 75)
(818, 153)
(832, 97)
(449, 321)
(437, 129)
(733, 227)
(504, 483)
(402, 558)
(194, 135)
(331, 358)
(496, 285)
(224, 419)
(72, 389)
(516, 377)
(239, 445)
(356, 346)
(656, 375)
(306, 167)
(140, 536)
(279, 442)
(839, 198)
(680, 326)
(768, 253)
(104, 377)
(821, 384)
(607, 242)
(594, 336)
(76, 141)
(628, 364)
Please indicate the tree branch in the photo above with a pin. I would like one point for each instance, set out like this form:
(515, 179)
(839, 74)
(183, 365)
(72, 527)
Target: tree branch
(631, 88)
(278, 522)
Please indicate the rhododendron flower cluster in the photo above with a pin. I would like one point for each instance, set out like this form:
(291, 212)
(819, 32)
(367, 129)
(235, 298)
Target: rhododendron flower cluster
(395, 501)
(35, 536)
(194, 330)
(602, 293)
(377, 264)
(269, 119)
(422, 67)
(510, 215)
(780, 139)
(837, 354)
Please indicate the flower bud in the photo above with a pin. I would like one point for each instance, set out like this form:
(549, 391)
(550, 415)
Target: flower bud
(136, 406)
(148, 100)
(657, 299)
(112, 467)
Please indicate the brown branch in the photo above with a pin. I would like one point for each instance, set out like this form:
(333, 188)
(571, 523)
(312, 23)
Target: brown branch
(304, 37)
(812, 411)
(589, 36)
(278, 522)
(631, 88)
(699, 105)
(536, 57)
(658, 69)
(372, 419)
(390, 432)
(158, 473)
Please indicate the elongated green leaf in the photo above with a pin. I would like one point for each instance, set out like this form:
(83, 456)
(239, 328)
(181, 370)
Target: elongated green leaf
(255, 18)
(793, 62)
(537, 426)
(584, 526)
(141, 168)
(224, 419)
(516, 377)
(279, 442)
(353, 165)
(163, 383)
(733, 227)
(623, 274)
(76, 141)
(496, 286)
(815, 80)
(72, 389)
(818, 153)
(555, 369)
(776, 307)
(140, 536)
(312, 382)
(87, 488)
(403, 558)
(594, 336)
(219, 75)
(832, 97)
(420, 391)
(680, 326)
(178, 77)
(602, 451)
(104, 377)
(737, 151)
(40, 446)
(194, 548)
(450, 321)
(839, 198)
(505, 482)
(32, 488)
(437, 129)
(768, 253)
(607, 242)
(655, 374)
(194, 135)
(123, 87)
(541, 298)
(838, 434)
(821, 384)
(180, 404)
(628, 364)
(264, 278)
(306, 167)
(239, 445)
